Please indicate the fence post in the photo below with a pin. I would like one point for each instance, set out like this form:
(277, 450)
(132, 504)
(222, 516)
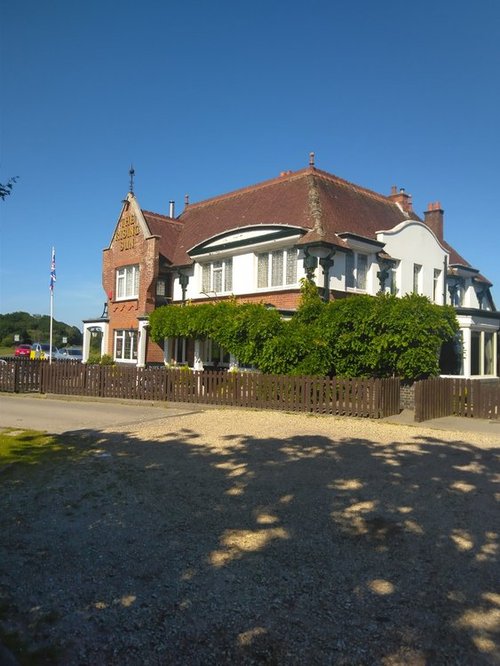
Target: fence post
(41, 375)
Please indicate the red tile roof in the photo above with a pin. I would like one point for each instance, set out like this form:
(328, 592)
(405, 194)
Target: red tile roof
(320, 203)
(167, 229)
(317, 202)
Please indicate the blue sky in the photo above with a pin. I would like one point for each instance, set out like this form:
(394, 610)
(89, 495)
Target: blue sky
(206, 97)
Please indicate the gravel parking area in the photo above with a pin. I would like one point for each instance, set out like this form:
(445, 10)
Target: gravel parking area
(242, 537)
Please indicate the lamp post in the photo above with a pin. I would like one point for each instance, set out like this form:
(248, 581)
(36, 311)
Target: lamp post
(322, 252)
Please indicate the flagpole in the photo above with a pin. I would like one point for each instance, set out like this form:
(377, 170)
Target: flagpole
(52, 280)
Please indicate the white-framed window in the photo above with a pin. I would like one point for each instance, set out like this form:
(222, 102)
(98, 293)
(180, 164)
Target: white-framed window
(126, 341)
(482, 353)
(127, 282)
(179, 350)
(217, 276)
(435, 285)
(417, 279)
(212, 354)
(277, 268)
(356, 267)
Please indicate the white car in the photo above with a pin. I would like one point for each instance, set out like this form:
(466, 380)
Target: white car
(69, 354)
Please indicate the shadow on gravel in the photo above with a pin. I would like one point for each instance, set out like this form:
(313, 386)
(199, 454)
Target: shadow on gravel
(275, 551)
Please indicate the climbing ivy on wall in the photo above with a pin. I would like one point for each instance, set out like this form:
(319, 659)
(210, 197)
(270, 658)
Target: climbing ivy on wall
(358, 336)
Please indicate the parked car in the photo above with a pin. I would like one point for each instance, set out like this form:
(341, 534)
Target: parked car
(41, 351)
(22, 351)
(70, 354)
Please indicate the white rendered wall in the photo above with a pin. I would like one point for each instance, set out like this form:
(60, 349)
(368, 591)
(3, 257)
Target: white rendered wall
(413, 243)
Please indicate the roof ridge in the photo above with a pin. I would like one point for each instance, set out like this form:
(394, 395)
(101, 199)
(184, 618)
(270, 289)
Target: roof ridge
(342, 181)
(286, 177)
(163, 217)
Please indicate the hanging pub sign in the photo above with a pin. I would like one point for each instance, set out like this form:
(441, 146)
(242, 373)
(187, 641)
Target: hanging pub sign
(127, 231)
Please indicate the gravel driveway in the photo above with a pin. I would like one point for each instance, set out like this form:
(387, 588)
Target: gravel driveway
(242, 537)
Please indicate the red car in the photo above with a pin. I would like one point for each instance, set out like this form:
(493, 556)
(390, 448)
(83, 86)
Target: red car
(23, 351)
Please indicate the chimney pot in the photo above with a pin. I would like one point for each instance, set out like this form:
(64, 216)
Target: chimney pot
(171, 208)
(186, 200)
(311, 159)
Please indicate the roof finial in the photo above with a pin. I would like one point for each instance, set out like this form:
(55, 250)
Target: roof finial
(131, 174)
(311, 159)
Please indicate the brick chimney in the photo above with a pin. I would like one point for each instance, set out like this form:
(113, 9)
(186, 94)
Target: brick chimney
(433, 218)
(402, 198)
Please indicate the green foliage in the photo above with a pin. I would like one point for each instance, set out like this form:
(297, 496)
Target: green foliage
(354, 337)
(36, 328)
(240, 329)
(106, 359)
(311, 305)
(6, 188)
(95, 358)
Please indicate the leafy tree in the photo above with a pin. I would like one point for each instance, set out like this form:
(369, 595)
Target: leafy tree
(33, 328)
(6, 189)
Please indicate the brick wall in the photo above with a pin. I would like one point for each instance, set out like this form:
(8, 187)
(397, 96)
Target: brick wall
(131, 244)
(407, 393)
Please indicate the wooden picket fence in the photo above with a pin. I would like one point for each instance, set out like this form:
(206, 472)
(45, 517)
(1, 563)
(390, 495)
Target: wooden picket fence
(374, 398)
(445, 396)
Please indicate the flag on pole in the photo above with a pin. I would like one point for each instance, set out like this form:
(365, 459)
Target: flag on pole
(52, 270)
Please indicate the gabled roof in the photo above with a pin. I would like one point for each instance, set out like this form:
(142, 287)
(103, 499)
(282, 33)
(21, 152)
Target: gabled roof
(167, 229)
(320, 203)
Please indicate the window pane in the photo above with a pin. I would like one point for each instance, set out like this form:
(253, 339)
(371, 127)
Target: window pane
(474, 352)
(120, 284)
(129, 284)
(217, 276)
(362, 263)
(205, 278)
(119, 344)
(228, 275)
(277, 268)
(128, 344)
(349, 271)
(435, 287)
(291, 266)
(262, 270)
(488, 353)
(416, 278)
(135, 270)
